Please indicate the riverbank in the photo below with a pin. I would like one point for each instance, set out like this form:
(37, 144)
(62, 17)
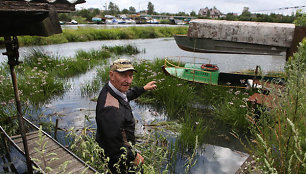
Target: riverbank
(90, 34)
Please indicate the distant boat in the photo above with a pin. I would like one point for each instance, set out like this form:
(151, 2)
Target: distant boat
(207, 73)
(121, 21)
(96, 20)
(130, 21)
(152, 21)
(74, 22)
(179, 22)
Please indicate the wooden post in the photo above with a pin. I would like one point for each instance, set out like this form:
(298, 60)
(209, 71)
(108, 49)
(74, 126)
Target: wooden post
(13, 56)
(299, 35)
(55, 131)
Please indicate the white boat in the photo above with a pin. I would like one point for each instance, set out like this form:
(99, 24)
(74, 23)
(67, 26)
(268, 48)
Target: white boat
(74, 22)
(130, 21)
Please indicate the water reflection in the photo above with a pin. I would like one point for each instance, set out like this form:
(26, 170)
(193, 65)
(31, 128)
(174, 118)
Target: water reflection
(14, 162)
(215, 160)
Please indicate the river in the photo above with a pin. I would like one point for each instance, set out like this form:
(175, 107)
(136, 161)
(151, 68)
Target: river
(72, 106)
(161, 48)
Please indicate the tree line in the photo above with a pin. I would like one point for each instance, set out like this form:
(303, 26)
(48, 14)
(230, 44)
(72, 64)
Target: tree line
(86, 15)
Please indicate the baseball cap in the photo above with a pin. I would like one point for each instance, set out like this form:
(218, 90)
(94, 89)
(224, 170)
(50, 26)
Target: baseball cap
(122, 65)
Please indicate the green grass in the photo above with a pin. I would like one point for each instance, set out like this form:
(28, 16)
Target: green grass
(90, 34)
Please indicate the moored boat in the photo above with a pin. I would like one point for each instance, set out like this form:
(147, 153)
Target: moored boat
(207, 45)
(241, 37)
(200, 71)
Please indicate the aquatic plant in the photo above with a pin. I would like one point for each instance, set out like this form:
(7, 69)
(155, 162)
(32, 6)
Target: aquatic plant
(83, 144)
(120, 50)
(192, 133)
(45, 159)
(232, 109)
(192, 161)
(279, 133)
(172, 94)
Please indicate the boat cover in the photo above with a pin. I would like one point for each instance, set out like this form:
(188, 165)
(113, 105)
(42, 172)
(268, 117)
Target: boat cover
(264, 33)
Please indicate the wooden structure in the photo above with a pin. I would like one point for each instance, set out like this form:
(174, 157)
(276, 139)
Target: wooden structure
(34, 17)
(75, 164)
(28, 17)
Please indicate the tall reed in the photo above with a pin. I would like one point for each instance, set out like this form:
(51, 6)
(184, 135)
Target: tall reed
(280, 131)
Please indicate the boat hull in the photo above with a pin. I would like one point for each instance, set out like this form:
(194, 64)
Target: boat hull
(217, 78)
(204, 45)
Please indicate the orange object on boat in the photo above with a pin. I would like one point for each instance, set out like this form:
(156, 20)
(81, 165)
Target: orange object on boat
(209, 67)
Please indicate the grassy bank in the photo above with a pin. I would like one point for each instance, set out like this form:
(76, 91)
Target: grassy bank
(90, 34)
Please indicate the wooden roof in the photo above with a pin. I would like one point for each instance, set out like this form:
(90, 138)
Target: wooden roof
(33, 17)
(60, 6)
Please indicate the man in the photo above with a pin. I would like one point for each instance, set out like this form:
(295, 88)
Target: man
(115, 121)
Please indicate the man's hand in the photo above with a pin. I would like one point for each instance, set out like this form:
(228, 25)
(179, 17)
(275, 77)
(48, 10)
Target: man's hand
(150, 86)
(138, 160)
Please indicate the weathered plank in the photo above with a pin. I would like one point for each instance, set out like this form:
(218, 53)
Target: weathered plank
(74, 166)
(18, 6)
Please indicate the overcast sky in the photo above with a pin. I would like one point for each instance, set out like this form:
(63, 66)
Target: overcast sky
(225, 6)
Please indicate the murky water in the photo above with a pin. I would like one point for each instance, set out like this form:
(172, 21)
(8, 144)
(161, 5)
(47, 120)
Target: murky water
(72, 106)
(14, 162)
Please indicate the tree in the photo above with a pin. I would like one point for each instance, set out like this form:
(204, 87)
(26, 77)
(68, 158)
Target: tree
(96, 11)
(132, 10)
(193, 13)
(64, 17)
(182, 14)
(231, 17)
(246, 14)
(300, 18)
(208, 13)
(150, 8)
(125, 11)
(86, 14)
(113, 8)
